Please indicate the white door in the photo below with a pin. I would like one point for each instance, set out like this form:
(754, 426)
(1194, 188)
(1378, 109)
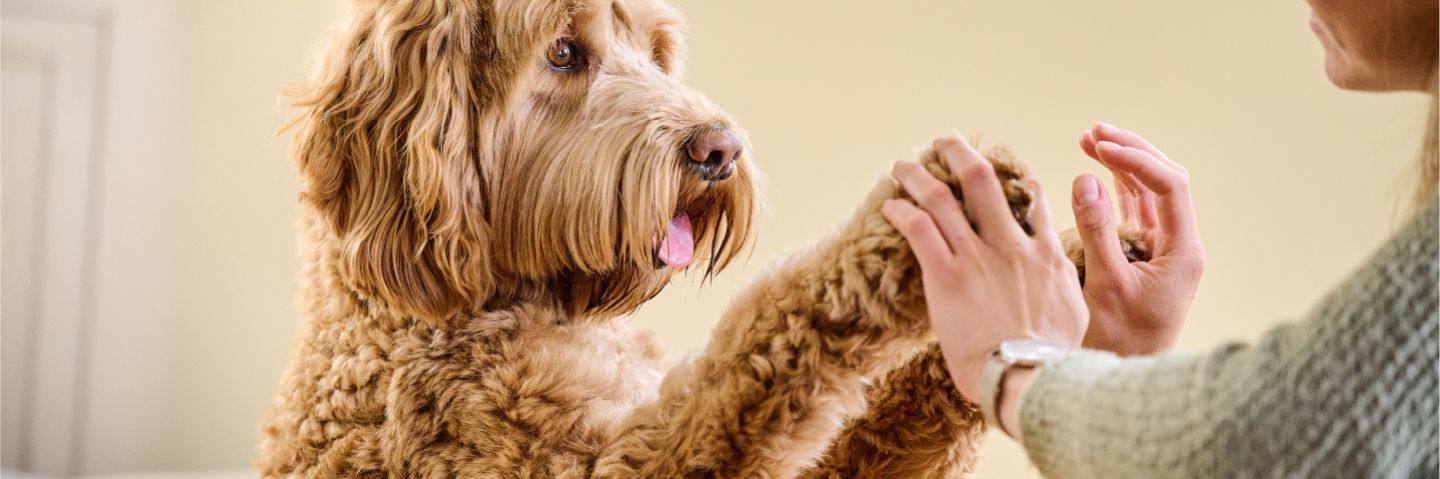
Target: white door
(48, 153)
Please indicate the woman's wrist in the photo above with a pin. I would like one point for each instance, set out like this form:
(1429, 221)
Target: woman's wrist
(968, 369)
(1013, 387)
(1004, 373)
(968, 372)
(1129, 341)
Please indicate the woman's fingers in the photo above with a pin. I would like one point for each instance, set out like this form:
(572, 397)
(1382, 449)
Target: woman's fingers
(1171, 188)
(1087, 144)
(1125, 193)
(919, 230)
(981, 189)
(1129, 194)
(1147, 170)
(1140, 202)
(1114, 134)
(1095, 222)
(1041, 224)
(1145, 213)
(936, 198)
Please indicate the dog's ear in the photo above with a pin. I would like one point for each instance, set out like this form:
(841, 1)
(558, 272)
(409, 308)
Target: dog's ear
(388, 149)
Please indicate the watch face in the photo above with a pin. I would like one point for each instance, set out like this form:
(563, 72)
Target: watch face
(1028, 352)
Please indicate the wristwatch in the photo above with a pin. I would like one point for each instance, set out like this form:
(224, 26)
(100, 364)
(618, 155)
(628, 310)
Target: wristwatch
(1019, 353)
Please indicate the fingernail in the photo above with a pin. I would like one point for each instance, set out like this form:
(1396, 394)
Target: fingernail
(1086, 190)
(1108, 128)
(1108, 146)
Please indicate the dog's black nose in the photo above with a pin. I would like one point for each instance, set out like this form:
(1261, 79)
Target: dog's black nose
(714, 151)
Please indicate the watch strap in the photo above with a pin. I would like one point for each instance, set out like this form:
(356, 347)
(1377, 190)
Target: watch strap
(990, 389)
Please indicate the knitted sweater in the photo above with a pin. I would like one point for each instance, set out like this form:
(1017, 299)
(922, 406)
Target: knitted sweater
(1351, 391)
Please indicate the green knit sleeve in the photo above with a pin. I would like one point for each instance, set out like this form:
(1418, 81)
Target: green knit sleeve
(1351, 391)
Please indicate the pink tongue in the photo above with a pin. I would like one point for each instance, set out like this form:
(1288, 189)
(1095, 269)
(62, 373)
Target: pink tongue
(679, 246)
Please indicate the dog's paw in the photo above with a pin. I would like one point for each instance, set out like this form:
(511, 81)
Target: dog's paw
(1132, 243)
(1012, 180)
(871, 262)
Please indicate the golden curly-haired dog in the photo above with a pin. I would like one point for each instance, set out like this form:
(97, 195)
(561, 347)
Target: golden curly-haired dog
(489, 185)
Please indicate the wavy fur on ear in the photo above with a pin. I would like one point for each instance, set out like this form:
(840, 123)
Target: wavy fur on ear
(386, 143)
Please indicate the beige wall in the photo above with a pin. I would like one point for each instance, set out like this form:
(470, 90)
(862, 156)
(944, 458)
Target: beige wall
(235, 314)
(1294, 181)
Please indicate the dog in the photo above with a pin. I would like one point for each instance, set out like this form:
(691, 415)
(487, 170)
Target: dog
(488, 186)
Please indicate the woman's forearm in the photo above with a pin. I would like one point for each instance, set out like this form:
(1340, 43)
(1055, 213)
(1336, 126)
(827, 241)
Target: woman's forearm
(1349, 392)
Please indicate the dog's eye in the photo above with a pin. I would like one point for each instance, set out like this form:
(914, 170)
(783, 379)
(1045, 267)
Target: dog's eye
(564, 55)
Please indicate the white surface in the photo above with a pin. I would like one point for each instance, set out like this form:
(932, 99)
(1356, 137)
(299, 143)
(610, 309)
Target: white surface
(125, 86)
(50, 114)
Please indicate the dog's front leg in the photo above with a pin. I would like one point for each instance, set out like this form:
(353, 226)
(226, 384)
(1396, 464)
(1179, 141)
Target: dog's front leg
(791, 355)
(917, 425)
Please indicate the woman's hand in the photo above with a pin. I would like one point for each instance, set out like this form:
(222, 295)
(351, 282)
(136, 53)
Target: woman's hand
(991, 285)
(1136, 308)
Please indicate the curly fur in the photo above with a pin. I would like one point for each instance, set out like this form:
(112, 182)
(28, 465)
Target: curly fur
(915, 425)
(473, 224)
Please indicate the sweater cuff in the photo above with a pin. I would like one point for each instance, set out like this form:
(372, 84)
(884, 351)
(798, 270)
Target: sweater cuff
(1093, 414)
(1049, 411)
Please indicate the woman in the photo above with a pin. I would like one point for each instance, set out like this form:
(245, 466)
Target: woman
(1349, 392)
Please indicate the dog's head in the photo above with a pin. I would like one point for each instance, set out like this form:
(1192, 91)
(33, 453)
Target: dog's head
(469, 154)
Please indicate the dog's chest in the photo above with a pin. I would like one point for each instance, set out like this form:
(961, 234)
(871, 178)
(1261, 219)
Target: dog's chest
(591, 376)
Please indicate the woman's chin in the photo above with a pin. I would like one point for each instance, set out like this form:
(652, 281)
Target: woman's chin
(1343, 75)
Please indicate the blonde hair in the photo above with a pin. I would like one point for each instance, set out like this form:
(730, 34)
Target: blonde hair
(1429, 176)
